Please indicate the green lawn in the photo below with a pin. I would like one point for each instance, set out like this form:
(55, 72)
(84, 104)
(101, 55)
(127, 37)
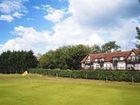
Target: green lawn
(43, 90)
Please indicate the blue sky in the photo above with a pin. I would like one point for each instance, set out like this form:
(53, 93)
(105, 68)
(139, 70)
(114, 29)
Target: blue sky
(41, 25)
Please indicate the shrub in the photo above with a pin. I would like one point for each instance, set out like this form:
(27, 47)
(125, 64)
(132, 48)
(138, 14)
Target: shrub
(116, 75)
(38, 71)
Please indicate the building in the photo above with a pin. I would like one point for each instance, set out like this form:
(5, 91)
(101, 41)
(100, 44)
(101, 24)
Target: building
(120, 60)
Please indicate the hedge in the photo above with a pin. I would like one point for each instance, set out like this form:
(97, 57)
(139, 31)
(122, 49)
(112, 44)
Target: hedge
(116, 75)
(37, 71)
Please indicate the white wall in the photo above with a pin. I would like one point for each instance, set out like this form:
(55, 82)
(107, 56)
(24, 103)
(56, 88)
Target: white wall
(82, 65)
(108, 65)
(96, 65)
(121, 65)
(137, 66)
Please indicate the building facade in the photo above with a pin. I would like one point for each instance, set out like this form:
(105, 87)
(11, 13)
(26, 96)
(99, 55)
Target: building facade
(120, 60)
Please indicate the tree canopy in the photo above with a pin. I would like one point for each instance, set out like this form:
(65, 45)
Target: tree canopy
(138, 37)
(17, 61)
(69, 57)
(111, 45)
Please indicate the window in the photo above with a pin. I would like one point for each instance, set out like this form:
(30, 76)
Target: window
(133, 58)
(121, 58)
(115, 58)
(115, 62)
(96, 60)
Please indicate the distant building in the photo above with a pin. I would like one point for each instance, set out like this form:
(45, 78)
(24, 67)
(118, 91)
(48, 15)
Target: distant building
(120, 60)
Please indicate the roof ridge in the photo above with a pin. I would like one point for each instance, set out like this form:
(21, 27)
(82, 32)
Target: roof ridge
(110, 52)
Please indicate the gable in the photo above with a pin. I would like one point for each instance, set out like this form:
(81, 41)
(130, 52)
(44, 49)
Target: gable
(132, 54)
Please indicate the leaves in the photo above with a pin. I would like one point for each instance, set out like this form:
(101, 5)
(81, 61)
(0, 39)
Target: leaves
(67, 57)
(138, 38)
(17, 61)
(111, 45)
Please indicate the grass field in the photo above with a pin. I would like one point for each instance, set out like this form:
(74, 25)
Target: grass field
(43, 90)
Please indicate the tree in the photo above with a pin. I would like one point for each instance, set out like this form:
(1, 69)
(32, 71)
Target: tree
(138, 37)
(17, 61)
(76, 54)
(111, 45)
(96, 49)
(67, 57)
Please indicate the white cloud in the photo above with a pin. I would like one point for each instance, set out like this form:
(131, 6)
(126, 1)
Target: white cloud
(41, 41)
(126, 34)
(69, 32)
(91, 22)
(54, 15)
(10, 44)
(8, 6)
(18, 15)
(111, 17)
(37, 7)
(103, 13)
(14, 8)
(27, 38)
(7, 18)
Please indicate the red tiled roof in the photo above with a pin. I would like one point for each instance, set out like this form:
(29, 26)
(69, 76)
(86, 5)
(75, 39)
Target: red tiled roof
(110, 55)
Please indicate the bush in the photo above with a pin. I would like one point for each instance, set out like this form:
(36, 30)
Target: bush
(116, 75)
(38, 71)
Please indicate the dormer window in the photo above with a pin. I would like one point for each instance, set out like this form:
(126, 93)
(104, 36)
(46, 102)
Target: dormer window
(96, 60)
(121, 58)
(115, 59)
(133, 58)
(102, 59)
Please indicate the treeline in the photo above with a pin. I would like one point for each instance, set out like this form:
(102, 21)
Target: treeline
(69, 57)
(17, 61)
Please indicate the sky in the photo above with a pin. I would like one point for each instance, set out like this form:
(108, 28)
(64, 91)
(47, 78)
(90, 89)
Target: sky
(43, 25)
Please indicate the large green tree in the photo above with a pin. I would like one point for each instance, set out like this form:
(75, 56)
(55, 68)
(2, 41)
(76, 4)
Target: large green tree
(54, 59)
(138, 37)
(95, 49)
(67, 57)
(17, 61)
(76, 54)
(111, 45)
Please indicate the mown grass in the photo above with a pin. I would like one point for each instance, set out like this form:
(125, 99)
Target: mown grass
(43, 90)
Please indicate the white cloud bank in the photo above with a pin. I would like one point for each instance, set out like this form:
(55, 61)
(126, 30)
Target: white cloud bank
(54, 15)
(91, 22)
(28, 38)
(104, 13)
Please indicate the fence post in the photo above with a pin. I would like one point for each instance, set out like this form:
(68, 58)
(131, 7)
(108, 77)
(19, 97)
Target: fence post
(106, 79)
(132, 80)
(86, 76)
(56, 75)
(70, 75)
